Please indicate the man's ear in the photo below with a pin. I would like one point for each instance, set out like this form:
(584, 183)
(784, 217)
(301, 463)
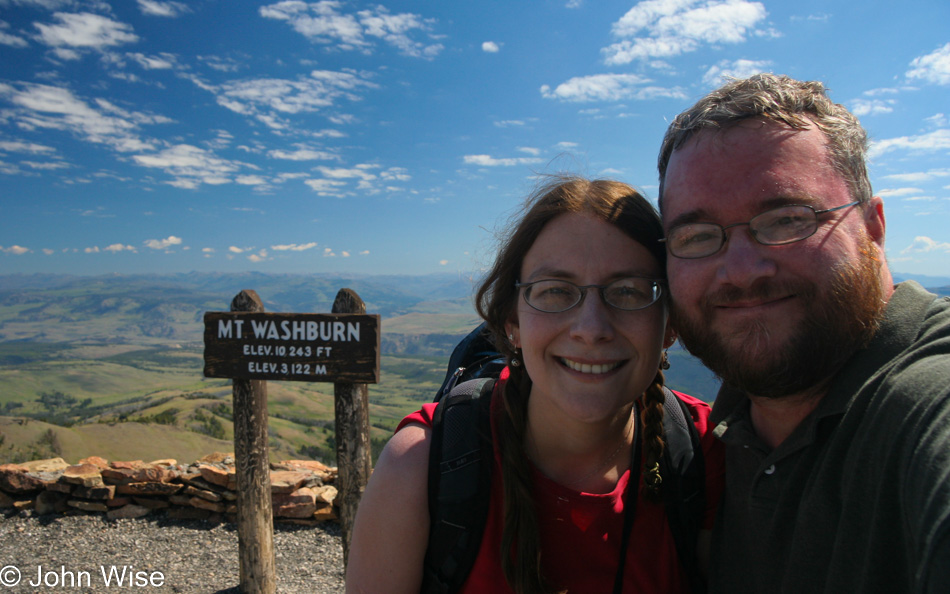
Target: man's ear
(874, 220)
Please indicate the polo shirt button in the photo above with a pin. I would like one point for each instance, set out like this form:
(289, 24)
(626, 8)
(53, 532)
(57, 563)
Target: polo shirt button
(770, 470)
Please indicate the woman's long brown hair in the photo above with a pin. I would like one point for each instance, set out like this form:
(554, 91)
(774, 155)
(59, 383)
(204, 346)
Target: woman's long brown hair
(496, 300)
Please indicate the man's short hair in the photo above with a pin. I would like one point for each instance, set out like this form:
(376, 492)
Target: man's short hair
(783, 100)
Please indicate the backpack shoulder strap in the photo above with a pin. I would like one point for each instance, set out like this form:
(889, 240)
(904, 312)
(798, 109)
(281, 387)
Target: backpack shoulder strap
(684, 483)
(460, 464)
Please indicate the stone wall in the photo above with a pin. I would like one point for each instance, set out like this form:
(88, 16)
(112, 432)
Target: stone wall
(302, 491)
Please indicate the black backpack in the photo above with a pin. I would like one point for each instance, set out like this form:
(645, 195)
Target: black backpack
(461, 459)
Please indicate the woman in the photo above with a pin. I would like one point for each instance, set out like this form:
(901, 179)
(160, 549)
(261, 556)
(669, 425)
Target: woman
(577, 303)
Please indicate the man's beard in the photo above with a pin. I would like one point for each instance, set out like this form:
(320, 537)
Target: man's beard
(835, 325)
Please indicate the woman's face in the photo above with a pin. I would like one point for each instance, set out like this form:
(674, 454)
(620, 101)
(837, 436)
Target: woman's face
(592, 360)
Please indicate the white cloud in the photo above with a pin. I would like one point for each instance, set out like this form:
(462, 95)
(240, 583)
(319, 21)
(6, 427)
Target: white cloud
(115, 248)
(48, 107)
(294, 247)
(898, 192)
(608, 87)
(506, 123)
(250, 180)
(919, 176)
(302, 154)
(489, 161)
(443, 262)
(190, 165)
(490, 47)
(923, 244)
(529, 150)
(162, 9)
(938, 120)
(326, 187)
(11, 40)
(236, 250)
(85, 30)
(667, 28)
(323, 22)
(16, 250)
(364, 253)
(269, 100)
(260, 256)
(725, 69)
(163, 61)
(930, 142)
(863, 107)
(161, 244)
(92, 250)
(933, 68)
(16, 146)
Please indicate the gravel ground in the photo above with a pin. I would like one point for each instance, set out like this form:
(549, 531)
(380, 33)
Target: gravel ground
(192, 556)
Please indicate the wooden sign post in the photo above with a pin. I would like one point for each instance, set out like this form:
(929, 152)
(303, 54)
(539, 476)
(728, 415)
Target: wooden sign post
(251, 346)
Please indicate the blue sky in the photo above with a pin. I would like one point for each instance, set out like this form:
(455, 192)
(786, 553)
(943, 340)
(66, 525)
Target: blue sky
(395, 137)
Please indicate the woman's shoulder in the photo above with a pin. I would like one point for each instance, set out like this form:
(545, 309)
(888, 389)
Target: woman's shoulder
(699, 410)
(423, 416)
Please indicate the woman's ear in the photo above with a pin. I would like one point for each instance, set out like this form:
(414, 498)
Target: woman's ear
(670, 337)
(513, 333)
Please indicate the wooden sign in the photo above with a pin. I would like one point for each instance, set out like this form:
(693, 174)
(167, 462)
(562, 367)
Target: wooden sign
(294, 347)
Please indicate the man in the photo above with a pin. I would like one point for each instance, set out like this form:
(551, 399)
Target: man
(835, 405)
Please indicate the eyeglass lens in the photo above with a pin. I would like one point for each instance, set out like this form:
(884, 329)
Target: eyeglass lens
(781, 225)
(554, 296)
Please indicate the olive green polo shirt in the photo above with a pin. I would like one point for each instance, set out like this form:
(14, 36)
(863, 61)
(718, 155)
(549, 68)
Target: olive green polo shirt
(857, 499)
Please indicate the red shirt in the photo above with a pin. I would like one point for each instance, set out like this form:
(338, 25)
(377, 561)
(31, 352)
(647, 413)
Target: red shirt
(580, 532)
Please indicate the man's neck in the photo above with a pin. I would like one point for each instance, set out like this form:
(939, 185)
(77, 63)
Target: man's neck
(774, 419)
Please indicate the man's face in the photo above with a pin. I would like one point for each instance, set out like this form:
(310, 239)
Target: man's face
(772, 320)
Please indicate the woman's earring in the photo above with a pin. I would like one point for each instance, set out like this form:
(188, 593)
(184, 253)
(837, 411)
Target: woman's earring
(665, 361)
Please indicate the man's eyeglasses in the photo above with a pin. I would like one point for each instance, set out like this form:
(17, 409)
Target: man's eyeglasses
(785, 224)
(554, 296)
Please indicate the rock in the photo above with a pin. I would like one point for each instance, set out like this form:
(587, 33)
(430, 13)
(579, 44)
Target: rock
(164, 489)
(87, 475)
(164, 462)
(325, 513)
(128, 512)
(326, 473)
(299, 504)
(188, 513)
(15, 479)
(118, 476)
(217, 476)
(206, 495)
(51, 502)
(49, 465)
(88, 505)
(208, 505)
(219, 458)
(326, 494)
(104, 492)
(127, 464)
(5, 500)
(118, 501)
(152, 503)
(95, 461)
(180, 500)
(287, 481)
(60, 486)
(24, 504)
